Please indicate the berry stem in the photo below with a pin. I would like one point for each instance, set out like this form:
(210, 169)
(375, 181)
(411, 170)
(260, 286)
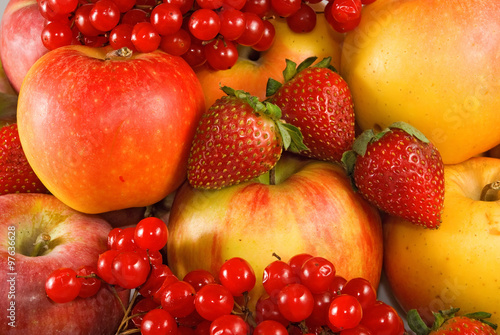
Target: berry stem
(126, 311)
(41, 244)
(490, 191)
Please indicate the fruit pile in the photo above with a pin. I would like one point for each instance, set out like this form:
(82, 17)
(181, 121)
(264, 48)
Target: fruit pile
(201, 31)
(389, 165)
(302, 296)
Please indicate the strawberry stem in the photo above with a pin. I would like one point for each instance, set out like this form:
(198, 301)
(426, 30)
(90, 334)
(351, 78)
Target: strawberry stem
(490, 191)
(41, 245)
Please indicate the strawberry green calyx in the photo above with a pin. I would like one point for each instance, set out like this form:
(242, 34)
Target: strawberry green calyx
(369, 136)
(291, 70)
(291, 135)
(418, 326)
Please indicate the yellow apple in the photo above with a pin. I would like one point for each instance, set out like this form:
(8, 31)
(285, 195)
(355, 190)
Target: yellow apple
(252, 70)
(433, 64)
(458, 264)
(311, 208)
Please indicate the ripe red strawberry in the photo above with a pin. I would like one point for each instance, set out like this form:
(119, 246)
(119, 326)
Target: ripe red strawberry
(239, 138)
(448, 323)
(16, 175)
(399, 171)
(317, 100)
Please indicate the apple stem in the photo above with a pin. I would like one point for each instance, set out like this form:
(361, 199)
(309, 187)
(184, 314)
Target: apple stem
(272, 176)
(119, 54)
(41, 244)
(490, 191)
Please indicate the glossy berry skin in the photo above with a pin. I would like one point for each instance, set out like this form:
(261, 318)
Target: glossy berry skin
(130, 269)
(295, 302)
(62, 285)
(151, 234)
(361, 289)
(345, 312)
(213, 301)
(178, 299)
(232, 144)
(317, 274)
(90, 285)
(229, 325)
(158, 321)
(382, 319)
(270, 327)
(318, 101)
(403, 176)
(16, 175)
(237, 275)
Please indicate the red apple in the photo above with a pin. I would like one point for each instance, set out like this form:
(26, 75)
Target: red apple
(76, 240)
(253, 69)
(106, 132)
(312, 208)
(20, 39)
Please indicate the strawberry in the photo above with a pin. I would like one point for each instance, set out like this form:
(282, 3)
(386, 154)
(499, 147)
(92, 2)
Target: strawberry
(448, 323)
(317, 100)
(399, 171)
(16, 175)
(238, 138)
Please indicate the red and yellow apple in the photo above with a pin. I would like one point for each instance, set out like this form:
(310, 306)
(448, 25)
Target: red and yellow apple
(253, 69)
(105, 132)
(311, 208)
(433, 64)
(458, 264)
(20, 39)
(76, 240)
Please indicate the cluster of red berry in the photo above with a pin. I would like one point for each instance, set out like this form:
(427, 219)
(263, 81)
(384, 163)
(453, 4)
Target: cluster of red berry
(303, 295)
(198, 30)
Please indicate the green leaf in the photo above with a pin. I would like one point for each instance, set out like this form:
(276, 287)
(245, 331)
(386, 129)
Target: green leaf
(292, 137)
(272, 110)
(272, 87)
(361, 143)
(305, 64)
(416, 323)
(290, 70)
(349, 160)
(410, 130)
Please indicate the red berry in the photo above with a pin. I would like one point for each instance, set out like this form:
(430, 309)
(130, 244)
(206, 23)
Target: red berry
(213, 301)
(130, 269)
(158, 321)
(62, 285)
(151, 234)
(295, 302)
(90, 285)
(345, 312)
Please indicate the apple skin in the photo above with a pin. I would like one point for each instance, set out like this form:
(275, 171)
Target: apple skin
(77, 240)
(251, 75)
(314, 210)
(433, 64)
(104, 135)
(456, 265)
(20, 39)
